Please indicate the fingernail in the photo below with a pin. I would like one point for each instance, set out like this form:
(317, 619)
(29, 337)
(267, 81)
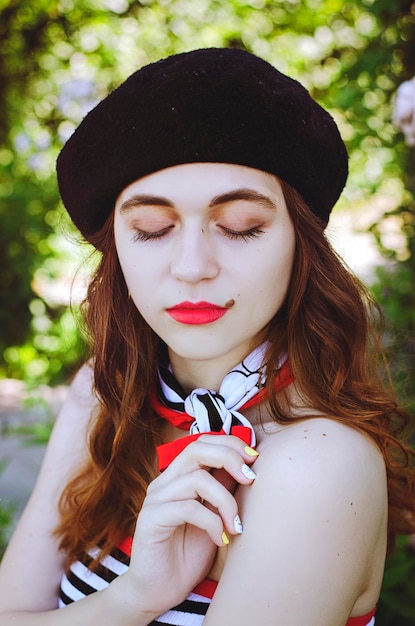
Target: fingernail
(237, 524)
(225, 538)
(250, 451)
(247, 472)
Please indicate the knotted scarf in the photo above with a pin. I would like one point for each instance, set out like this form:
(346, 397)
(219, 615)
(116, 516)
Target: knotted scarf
(207, 411)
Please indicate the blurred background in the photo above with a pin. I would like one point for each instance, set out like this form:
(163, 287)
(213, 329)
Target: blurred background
(60, 57)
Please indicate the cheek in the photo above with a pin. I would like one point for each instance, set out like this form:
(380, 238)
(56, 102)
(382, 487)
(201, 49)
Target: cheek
(135, 275)
(270, 271)
(271, 291)
(136, 278)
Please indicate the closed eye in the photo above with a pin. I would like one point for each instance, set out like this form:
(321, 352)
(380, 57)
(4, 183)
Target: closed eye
(144, 235)
(244, 235)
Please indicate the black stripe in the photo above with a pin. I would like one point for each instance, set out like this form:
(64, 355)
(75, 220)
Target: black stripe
(103, 572)
(192, 606)
(120, 556)
(80, 584)
(209, 402)
(169, 379)
(65, 599)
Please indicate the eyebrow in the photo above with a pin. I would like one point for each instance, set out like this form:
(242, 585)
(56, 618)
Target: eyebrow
(249, 195)
(142, 199)
(243, 194)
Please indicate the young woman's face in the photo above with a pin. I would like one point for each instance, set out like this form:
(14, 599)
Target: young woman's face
(207, 251)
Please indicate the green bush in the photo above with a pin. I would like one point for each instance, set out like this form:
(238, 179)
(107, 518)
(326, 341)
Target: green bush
(397, 600)
(6, 519)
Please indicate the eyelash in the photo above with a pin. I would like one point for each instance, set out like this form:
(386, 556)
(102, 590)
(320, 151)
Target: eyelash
(252, 233)
(245, 235)
(142, 235)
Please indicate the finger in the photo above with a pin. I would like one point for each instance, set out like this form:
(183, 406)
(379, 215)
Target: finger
(229, 453)
(250, 454)
(200, 485)
(159, 522)
(225, 479)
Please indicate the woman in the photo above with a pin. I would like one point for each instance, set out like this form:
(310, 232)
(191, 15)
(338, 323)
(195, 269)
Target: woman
(205, 181)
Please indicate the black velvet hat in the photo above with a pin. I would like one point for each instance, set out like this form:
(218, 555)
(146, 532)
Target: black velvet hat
(210, 105)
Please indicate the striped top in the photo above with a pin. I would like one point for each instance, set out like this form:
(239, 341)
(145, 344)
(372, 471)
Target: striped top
(81, 582)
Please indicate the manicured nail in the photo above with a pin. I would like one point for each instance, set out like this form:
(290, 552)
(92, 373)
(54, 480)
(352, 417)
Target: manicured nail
(225, 538)
(237, 524)
(246, 471)
(250, 451)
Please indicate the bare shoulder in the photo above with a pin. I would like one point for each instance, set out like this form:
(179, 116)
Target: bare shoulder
(314, 529)
(81, 391)
(68, 442)
(316, 444)
(80, 405)
(333, 463)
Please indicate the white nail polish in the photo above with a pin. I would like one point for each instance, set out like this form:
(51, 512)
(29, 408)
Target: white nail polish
(246, 471)
(237, 524)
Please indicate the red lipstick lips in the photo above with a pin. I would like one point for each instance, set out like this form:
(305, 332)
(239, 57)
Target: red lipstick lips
(196, 313)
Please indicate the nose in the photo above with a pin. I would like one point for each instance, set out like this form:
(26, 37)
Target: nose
(194, 257)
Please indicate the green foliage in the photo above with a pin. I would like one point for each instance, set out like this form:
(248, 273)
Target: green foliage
(396, 605)
(36, 434)
(6, 519)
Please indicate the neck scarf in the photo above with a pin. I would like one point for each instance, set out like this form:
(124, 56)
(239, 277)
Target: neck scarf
(207, 411)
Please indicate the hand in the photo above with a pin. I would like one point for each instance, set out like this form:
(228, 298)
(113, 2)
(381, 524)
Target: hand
(183, 519)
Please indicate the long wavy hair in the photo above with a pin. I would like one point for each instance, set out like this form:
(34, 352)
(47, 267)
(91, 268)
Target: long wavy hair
(328, 324)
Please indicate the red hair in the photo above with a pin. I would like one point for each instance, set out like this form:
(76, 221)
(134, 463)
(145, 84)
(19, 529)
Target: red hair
(327, 326)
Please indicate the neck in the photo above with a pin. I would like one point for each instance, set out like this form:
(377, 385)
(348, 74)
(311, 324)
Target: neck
(193, 374)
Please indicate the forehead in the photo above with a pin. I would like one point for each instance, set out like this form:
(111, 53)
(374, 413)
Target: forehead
(204, 180)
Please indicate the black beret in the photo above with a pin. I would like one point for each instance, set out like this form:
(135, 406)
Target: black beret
(211, 105)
